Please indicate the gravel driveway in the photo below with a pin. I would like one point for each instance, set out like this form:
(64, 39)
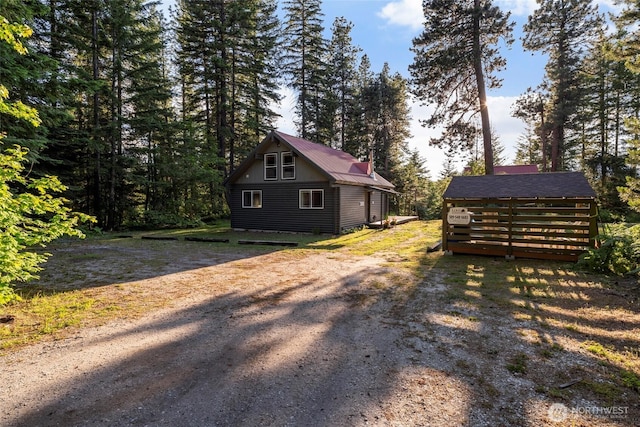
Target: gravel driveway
(280, 339)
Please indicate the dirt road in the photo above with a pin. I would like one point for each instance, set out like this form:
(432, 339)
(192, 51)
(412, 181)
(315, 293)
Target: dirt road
(311, 339)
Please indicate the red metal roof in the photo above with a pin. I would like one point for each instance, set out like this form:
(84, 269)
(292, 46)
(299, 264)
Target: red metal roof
(510, 169)
(341, 167)
(515, 169)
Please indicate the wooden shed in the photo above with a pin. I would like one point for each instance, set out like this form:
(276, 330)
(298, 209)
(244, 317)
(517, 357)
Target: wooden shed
(546, 215)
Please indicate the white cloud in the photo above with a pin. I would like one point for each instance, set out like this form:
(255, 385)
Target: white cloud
(405, 13)
(518, 7)
(409, 13)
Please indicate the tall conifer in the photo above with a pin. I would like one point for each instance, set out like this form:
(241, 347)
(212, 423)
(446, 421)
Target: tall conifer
(305, 48)
(562, 29)
(456, 58)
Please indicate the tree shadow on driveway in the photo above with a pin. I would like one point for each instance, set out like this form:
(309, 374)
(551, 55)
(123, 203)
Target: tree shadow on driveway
(315, 352)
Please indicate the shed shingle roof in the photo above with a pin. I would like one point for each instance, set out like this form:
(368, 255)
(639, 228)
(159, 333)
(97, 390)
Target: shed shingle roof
(539, 185)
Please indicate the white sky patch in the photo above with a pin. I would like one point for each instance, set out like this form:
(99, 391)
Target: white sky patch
(517, 7)
(405, 13)
(434, 157)
(507, 128)
(286, 109)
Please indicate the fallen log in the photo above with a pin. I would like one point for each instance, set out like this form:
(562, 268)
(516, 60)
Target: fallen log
(267, 242)
(206, 239)
(158, 238)
(436, 246)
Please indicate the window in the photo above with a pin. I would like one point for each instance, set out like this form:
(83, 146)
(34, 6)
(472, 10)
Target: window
(311, 199)
(271, 166)
(252, 198)
(288, 166)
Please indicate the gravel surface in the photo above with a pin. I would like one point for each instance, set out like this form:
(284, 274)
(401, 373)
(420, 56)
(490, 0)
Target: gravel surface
(280, 339)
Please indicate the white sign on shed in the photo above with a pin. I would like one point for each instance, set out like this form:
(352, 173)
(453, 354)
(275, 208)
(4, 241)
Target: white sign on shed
(458, 216)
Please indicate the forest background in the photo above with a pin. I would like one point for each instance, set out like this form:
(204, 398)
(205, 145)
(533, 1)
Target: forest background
(143, 116)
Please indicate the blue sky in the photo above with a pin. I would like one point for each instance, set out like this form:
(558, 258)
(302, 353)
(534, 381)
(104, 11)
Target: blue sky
(384, 29)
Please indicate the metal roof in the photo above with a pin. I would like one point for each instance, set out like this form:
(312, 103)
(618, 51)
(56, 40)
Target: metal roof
(538, 185)
(513, 169)
(339, 167)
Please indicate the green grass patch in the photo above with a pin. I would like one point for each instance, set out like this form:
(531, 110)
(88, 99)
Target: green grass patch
(518, 364)
(630, 379)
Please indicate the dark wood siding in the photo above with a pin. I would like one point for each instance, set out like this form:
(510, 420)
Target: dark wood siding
(352, 206)
(281, 211)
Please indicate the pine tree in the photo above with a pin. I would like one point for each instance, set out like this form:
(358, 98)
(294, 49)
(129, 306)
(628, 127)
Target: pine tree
(388, 113)
(456, 58)
(627, 50)
(561, 29)
(342, 63)
(204, 37)
(255, 77)
(412, 183)
(528, 148)
(153, 123)
(305, 48)
(359, 128)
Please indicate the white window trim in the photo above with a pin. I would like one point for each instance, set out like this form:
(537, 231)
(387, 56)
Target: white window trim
(275, 156)
(282, 165)
(310, 191)
(251, 206)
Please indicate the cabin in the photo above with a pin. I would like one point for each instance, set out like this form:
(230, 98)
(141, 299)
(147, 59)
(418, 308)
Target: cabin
(294, 185)
(538, 215)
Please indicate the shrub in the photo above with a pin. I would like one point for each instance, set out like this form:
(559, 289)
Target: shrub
(618, 253)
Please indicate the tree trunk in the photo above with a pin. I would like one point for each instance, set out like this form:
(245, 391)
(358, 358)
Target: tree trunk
(97, 188)
(482, 94)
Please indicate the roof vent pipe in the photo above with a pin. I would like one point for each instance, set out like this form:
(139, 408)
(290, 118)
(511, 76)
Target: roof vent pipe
(372, 173)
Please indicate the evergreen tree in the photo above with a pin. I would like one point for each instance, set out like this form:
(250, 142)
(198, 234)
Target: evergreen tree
(227, 66)
(255, 77)
(305, 48)
(561, 29)
(528, 148)
(448, 169)
(627, 50)
(456, 58)
(388, 114)
(342, 83)
(531, 107)
(412, 183)
(153, 124)
(205, 33)
(359, 128)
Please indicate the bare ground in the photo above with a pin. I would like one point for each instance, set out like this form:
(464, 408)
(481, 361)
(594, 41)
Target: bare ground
(301, 338)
